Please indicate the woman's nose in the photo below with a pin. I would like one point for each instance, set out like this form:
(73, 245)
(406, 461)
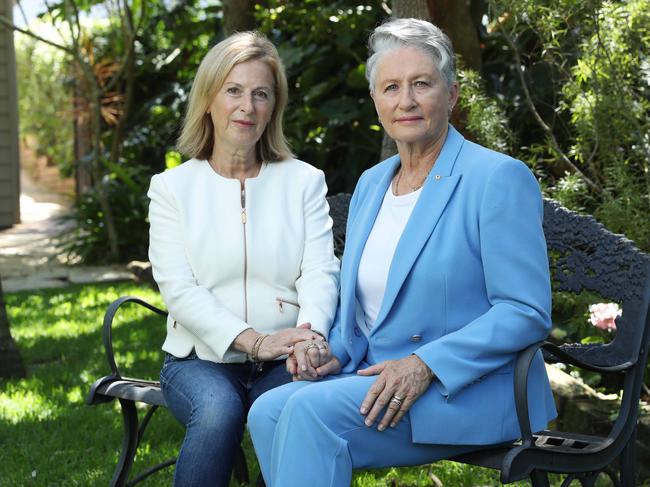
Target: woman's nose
(406, 99)
(246, 104)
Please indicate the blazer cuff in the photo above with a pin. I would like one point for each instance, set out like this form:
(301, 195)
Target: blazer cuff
(338, 351)
(222, 345)
(438, 382)
(319, 322)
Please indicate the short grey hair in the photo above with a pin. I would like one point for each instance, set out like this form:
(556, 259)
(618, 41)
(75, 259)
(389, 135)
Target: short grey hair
(415, 33)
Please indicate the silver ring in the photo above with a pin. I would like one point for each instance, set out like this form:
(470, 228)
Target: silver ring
(322, 346)
(397, 401)
(311, 345)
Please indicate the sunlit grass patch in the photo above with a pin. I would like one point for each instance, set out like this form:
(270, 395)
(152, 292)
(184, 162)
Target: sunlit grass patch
(19, 404)
(58, 440)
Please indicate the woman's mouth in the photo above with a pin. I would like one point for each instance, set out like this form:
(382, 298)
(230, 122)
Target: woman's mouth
(243, 123)
(408, 119)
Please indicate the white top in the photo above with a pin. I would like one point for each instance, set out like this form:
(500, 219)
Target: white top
(378, 255)
(221, 272)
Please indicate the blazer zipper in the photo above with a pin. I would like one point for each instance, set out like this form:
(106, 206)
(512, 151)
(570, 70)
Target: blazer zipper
(282, 302)
(243, 221)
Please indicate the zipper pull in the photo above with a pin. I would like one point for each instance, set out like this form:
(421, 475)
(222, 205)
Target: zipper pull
(243, 203)
(280, 307)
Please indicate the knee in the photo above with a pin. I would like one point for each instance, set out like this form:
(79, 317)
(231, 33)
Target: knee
(303, 403)
(214, 414)
(263, 415)
(317, 406)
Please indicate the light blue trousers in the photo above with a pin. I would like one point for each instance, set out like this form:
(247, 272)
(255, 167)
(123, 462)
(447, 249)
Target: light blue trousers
(312, 434)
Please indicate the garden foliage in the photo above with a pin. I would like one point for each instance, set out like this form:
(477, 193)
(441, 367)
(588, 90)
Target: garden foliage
(573, 79)
(45, 95)
(564, 87)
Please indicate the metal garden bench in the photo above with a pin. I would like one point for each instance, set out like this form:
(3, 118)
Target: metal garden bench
(583, 256)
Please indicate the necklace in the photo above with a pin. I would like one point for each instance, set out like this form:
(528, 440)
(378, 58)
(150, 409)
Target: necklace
(413, 187)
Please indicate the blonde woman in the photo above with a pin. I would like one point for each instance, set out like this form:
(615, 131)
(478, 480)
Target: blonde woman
(241, 248)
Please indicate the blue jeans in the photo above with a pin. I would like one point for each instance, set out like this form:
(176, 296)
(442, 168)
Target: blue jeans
(212, 401)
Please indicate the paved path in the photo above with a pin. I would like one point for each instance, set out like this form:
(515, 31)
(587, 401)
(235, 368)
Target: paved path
(30, 257)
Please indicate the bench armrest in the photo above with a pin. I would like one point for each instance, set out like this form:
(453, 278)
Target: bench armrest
(107, 330)
(585, 356)
(522, 366)
(570, 354)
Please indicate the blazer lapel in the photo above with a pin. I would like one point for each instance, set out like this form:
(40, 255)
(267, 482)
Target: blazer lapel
(437, 190)
(355, 241)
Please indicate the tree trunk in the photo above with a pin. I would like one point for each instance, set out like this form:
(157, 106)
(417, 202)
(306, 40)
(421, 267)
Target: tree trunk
(82, 136)
(456, 19)
(417, 9)
(238, 16)
(129, 80)
(459, 20)
(11, 363)
(100, 187)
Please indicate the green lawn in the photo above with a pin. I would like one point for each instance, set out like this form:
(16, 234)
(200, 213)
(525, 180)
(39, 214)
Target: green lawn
(55, 439)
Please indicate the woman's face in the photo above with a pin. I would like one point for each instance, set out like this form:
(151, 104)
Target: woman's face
(411, 98)
(243, 106)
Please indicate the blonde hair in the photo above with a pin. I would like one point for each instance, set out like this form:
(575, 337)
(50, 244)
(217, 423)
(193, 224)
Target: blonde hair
(197, 133)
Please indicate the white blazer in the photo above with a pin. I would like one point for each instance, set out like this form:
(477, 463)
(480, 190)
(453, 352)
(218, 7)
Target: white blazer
(227, 260)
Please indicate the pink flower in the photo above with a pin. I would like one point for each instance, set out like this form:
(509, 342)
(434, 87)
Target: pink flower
(603, 315)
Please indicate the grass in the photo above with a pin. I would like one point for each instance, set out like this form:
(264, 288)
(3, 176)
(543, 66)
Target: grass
(55, 439)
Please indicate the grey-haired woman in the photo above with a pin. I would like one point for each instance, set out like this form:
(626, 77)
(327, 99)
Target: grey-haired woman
(444, 278)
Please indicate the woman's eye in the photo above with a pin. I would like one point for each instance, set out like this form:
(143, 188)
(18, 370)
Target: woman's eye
(262, 95)
(232, 90)
(390, 87)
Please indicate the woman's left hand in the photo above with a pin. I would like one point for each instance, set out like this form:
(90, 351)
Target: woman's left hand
(399, 384)
(308, 356)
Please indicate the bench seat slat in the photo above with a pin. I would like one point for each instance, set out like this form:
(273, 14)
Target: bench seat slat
(134, 390)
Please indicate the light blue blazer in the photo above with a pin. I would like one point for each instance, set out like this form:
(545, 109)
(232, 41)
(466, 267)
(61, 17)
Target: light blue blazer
(468, 287)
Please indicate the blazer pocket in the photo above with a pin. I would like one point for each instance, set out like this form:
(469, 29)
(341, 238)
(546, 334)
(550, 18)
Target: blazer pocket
(286, 313)
(284, 303)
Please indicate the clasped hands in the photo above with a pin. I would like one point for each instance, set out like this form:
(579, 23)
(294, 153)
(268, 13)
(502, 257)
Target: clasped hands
(312, 359)
(399, 382)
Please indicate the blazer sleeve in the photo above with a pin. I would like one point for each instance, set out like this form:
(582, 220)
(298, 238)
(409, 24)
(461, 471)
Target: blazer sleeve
(517, 281)
(318, 283)
(192, 305)
(336, 340)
